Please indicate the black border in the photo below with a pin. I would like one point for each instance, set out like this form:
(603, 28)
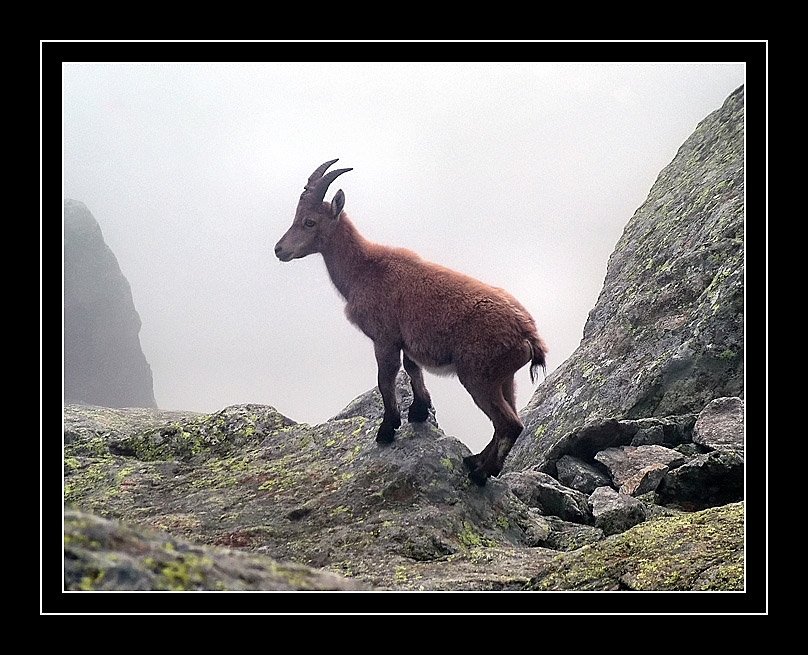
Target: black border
(753, 601)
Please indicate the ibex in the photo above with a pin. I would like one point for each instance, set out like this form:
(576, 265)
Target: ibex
(442, 320)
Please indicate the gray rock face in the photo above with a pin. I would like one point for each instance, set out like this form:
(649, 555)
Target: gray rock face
(666, 334)
(103, 361)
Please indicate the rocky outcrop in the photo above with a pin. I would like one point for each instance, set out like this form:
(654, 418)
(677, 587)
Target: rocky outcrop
(323, 496)
(666, 335)
(326, 497)
(103, 361)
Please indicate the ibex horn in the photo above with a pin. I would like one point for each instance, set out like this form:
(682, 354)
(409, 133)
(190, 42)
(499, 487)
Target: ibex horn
(318, 183)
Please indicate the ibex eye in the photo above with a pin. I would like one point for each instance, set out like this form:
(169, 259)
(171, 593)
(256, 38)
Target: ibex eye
(309, 223)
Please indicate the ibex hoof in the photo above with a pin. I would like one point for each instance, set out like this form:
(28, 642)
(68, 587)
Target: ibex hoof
(418, 413)
(385, 437)
(387, 431)
(477, 473)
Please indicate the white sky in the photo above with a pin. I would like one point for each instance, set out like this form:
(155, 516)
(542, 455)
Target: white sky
(520, 174)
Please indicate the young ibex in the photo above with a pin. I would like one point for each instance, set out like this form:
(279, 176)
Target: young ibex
(440, 319)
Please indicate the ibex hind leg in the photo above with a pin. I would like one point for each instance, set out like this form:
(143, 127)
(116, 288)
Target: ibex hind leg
(491, 398)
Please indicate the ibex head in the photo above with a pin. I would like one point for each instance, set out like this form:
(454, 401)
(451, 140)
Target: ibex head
(314, 219)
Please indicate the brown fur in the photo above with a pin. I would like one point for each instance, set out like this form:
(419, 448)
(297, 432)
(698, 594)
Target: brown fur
(440, 319)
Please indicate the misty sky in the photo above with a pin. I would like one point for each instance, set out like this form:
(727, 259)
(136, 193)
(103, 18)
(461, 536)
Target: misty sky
(520, 174)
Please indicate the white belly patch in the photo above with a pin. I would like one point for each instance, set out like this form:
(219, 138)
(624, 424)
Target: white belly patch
(443, 371)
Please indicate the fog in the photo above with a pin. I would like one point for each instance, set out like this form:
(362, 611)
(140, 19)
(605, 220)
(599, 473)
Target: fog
(520, 174)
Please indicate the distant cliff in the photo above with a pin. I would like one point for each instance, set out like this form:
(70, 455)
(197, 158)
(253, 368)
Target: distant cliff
(103, 361)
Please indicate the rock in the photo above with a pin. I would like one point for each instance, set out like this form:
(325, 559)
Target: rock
(584, 442)
(580, 475)
(708, 480)
(103, 361)
(652, 435)
(644, 481)
(720, 425)
(666, 335)
(327, 497)
(540, 490)
(615, 512)
(626, 461)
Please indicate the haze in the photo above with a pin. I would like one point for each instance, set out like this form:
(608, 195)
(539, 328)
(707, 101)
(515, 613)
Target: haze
(520, 174)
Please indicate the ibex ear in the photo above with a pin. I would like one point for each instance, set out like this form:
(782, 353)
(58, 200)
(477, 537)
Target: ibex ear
(337, 203)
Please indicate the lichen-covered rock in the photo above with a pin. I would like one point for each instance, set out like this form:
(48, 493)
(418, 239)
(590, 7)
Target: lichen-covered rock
(325, 496)
(246, 479)
(702, 551)
(105, 555)
(666, 334)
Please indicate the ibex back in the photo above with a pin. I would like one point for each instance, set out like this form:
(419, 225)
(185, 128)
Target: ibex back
(438, 318)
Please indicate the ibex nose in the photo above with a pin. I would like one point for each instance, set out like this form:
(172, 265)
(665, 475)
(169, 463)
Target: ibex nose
(280, 254)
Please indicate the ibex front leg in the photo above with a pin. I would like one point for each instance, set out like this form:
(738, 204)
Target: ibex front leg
(421, 402)
(388, 359)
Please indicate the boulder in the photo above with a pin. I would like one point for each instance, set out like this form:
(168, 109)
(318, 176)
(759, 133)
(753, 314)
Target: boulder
(708, 480)
(614, 512)
(624, 462)
(106, 555)
(645, 480)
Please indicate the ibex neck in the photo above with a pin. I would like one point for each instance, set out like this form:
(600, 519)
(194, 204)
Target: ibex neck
(346, 255)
